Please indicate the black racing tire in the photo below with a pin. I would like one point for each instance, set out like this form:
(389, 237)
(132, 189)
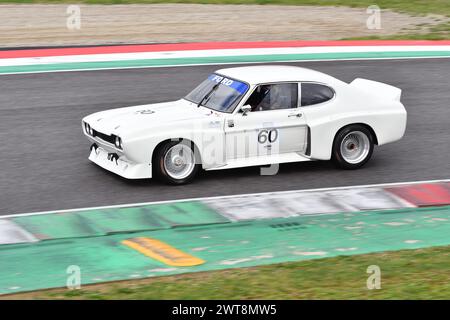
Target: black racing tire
(162, 171)
(352, 147)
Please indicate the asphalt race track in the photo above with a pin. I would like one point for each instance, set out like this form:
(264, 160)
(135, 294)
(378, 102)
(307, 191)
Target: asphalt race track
(44, 162)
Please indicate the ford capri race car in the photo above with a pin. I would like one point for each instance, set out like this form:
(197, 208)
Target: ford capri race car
(248, 116)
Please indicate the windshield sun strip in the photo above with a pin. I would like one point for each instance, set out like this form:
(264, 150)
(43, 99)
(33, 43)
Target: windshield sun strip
(237, 103)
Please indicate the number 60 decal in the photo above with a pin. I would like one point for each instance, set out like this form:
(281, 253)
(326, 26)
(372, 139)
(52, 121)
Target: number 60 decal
(268, 135)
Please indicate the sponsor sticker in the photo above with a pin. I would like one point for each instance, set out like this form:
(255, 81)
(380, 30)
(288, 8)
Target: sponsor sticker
(236, 85)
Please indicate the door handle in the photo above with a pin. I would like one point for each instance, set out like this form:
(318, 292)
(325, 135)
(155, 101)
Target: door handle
(298, 115)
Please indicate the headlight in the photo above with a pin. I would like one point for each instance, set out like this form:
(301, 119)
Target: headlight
(91, 131)
(118, 143)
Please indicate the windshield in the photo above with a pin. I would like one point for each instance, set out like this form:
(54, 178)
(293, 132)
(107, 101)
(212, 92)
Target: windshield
(218, 93)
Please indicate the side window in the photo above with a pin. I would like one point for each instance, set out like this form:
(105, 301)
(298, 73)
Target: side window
(314, 93)
(274, 97)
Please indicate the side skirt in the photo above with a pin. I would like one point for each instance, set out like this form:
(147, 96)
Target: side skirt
(263, 160)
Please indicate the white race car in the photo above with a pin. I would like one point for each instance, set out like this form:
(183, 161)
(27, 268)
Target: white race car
(248, 116)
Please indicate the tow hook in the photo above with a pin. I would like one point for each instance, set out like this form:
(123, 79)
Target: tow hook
(113, 157)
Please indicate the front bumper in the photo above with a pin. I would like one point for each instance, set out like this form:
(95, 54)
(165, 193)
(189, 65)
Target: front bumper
(120, 165)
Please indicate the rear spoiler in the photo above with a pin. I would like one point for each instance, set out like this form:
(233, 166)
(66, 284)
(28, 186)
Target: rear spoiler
(382, 90)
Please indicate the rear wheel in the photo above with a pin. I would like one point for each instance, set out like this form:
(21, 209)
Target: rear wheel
(352, 147)
(175, 162)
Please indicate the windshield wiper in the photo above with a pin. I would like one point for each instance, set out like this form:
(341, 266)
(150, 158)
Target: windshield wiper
(208, 94)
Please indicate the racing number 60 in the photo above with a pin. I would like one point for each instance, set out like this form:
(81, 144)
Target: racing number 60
(268, 135)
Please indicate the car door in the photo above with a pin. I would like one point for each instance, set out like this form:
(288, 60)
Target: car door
(275, 125)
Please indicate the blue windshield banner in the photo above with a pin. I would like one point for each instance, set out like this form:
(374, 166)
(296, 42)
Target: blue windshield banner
(236, 85)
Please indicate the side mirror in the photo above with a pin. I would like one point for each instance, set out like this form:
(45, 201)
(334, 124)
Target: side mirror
(246, 109)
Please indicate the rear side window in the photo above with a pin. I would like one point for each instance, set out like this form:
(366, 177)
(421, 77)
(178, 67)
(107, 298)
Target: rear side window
(314, 93)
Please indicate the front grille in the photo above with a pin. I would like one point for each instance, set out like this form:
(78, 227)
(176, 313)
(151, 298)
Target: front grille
(111, 139)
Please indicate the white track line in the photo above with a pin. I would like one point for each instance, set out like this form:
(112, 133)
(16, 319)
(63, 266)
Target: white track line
(220, 63)
(222, 197)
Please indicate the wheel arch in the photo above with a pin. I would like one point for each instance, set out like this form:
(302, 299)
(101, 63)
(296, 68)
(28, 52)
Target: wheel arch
(368, 127)
(197, 154)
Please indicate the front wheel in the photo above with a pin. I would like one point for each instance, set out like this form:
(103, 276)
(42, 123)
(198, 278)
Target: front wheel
(175, 162)
(352, 147)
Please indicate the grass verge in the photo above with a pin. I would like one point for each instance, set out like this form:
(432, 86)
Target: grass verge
(405, 274)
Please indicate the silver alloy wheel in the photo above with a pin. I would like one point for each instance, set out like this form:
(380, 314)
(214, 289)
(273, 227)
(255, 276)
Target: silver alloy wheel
(179, 161)
(355, 147)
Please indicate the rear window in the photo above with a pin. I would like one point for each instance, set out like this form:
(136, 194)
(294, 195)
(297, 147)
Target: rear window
(314, 93)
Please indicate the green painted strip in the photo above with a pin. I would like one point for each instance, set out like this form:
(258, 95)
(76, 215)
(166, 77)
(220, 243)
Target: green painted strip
(100, 222)
(230, 245)
(52, 226)
(145, 63)
(45, 265)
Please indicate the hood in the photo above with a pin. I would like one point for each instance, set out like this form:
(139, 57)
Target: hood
(119, 120)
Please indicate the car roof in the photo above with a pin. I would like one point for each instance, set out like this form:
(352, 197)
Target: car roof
(273, 73)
